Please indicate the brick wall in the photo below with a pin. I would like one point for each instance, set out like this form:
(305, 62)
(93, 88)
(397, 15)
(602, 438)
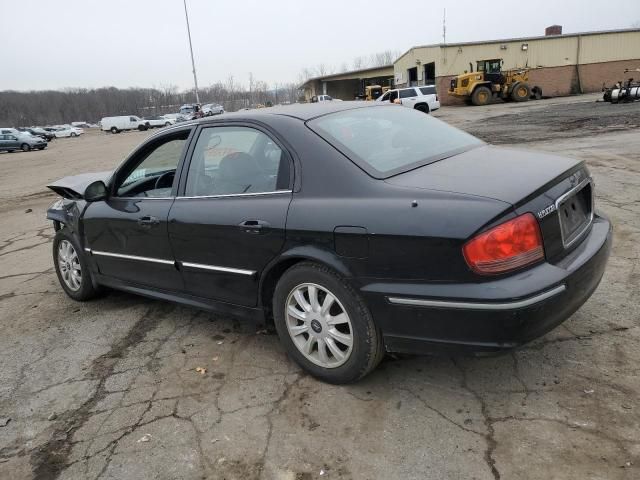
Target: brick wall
(561, 81)
(594, 74)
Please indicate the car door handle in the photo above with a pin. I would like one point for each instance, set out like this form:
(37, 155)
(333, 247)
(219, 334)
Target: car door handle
(148, 221)
(254, 226)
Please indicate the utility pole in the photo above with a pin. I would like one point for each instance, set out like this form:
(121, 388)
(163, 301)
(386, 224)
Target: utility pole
(444, 27)
(193, 63)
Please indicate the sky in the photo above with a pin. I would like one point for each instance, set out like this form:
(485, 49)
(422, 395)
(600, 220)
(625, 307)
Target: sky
(143, 43)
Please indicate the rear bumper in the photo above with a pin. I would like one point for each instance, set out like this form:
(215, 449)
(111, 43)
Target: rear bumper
(494, 315)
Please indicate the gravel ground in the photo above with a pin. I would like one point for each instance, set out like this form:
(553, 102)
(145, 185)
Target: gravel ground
(108, 389)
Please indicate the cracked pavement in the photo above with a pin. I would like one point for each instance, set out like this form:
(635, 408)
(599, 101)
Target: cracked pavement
(109, 389)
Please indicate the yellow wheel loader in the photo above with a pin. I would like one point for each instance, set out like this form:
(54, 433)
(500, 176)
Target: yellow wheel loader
(371, 92)
(489, 81)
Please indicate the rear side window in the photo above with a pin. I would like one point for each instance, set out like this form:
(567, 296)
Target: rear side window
(236, 160)
(386, 140)
(428, 90)
(409, 92)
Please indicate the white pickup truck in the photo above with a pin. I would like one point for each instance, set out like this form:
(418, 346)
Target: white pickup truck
(423, 98)
(123, 122)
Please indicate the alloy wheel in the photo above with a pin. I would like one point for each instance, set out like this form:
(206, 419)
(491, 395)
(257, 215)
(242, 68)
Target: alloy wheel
(69, 264)
(319, 325)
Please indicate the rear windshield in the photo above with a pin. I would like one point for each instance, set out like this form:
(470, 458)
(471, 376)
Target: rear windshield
(388, 140)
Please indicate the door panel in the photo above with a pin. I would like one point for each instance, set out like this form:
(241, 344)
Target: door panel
(231, 220)
(127, 234)
(223, 244)
(126, 248)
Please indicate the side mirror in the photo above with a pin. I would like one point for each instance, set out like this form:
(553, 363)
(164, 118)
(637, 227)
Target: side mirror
(96, 191)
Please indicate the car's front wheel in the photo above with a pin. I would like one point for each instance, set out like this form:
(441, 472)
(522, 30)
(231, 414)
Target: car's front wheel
(71, 267)
(25, 147)
(73, 134)
(325, 325)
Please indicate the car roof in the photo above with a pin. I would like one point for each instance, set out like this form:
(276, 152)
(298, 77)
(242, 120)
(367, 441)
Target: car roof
(301, 111)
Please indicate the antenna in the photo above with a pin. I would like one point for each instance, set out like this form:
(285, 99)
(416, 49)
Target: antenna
(444, 27)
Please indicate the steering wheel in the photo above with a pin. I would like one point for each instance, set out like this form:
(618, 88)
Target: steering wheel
(162, 178)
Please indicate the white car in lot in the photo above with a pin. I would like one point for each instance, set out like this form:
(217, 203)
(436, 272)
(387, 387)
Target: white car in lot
(212, 109)
(67, 131)
(159, 121)
(324, 98)
(423, 98)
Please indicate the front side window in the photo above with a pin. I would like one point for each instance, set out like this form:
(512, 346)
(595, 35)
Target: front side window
(153, 174)
(385, 140)
(236, 160)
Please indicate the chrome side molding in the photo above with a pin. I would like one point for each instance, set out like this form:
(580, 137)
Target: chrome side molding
(526, 302)
(200, 266)
(217, 268)
(132, 257)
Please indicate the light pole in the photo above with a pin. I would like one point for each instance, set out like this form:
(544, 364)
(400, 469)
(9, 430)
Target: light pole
(193, 63)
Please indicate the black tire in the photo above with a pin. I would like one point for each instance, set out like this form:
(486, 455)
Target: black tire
(367, 349)
(73, 134)
(25, 147)
(536, 93)
(481, 96)
(142, 128)
(521, 92)
(167, 124)
(114, 130)
(423, 107)
(86, 291)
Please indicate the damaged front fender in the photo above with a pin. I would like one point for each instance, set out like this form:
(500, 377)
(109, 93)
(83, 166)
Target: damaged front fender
(66, 213)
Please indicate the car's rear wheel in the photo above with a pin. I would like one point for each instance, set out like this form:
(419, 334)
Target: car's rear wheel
(73, 134)
(113, 130)
(325, 325)
(167, 124)
(423, 108)
(71, 267)
(25, 147)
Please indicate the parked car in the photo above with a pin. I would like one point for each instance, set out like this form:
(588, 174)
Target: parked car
(159, 121)
(321, 98)
(423, 98)
(13, 139)
(212, 109)
(9, 131)
(67, 131)
(41, 132)
(362, 227)
(122, 123)
(9, 142)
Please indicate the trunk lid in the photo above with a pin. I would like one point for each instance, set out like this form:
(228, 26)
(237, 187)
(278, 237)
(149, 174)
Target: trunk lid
(556, 189)
(493, 172)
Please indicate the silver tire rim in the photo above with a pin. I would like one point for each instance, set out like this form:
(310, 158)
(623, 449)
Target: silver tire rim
(69, 265)
(319, 325)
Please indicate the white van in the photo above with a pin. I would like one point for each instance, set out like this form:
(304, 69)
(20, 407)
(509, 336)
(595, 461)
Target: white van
(124, 122)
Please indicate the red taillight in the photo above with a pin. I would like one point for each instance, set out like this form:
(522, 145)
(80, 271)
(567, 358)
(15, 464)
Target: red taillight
(508, 246)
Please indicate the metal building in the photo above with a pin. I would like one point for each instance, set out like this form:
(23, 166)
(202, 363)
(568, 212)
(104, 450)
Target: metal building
(561, 64)
(348, 85)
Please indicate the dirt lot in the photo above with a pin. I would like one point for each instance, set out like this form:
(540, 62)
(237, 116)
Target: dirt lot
(108, 388)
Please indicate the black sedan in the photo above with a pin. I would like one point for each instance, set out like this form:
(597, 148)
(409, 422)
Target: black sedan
(358, 228)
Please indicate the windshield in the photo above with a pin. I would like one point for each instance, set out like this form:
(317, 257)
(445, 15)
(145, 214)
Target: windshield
(388, 140)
